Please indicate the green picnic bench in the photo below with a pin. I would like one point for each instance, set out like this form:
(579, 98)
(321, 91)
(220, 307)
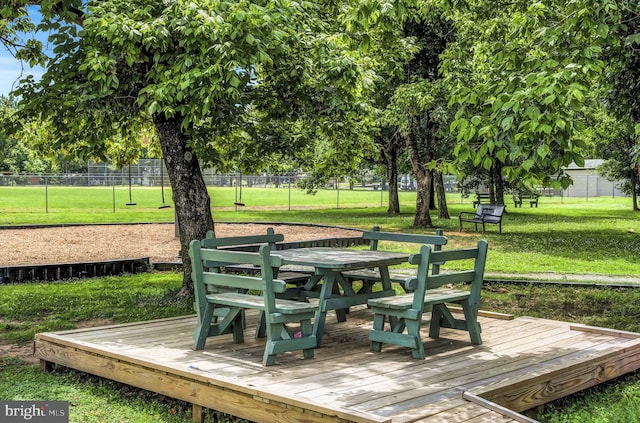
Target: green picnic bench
(532, 199)
(295, 279)
(228, 293)
(371, 276)
(482, 198)
(430, 293)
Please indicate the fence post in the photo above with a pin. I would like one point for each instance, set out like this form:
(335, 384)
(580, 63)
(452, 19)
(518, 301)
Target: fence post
(46, 194)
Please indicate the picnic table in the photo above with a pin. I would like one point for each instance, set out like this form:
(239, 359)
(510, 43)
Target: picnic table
(329, 264)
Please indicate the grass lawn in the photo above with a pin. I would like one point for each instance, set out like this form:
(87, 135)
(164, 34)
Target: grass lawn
(133, 298)
(568, 236)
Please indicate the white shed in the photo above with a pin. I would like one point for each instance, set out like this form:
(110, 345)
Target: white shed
(587, 182)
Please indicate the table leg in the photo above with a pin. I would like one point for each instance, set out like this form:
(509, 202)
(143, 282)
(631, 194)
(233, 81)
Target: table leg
(385, 278)
(326, 292)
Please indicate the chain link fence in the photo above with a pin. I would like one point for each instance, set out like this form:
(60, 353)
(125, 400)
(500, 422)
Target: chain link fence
(152, 173)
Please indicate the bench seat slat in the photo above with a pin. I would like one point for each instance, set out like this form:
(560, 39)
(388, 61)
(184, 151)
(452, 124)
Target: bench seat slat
(256, 302)
(433, 296)
(374, 275)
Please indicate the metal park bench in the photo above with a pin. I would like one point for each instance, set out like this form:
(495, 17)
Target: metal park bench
(486, 213)
(429, 293)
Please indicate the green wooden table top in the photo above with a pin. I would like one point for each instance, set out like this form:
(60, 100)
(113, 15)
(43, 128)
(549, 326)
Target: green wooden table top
(340, 259)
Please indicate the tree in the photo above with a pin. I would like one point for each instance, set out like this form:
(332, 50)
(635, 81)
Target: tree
(17, 148)
(391, 144)
(197, 71)
(622, 140)
(532, 67)
(416, 110)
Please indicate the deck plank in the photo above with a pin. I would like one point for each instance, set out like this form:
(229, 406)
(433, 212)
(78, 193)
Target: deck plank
(345, 381)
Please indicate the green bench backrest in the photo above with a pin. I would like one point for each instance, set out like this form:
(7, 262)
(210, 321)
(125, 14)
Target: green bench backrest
(265, 283)
(425, 281)
(270, 238)
(437, 240)
(375, 235)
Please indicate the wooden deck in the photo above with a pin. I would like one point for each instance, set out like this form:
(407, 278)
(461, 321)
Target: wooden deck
(522, 364)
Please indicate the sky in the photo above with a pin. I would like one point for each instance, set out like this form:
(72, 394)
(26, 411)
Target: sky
(11, 70)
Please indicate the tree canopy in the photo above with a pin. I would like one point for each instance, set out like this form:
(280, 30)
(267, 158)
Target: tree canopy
(201, 73)
(241, 84)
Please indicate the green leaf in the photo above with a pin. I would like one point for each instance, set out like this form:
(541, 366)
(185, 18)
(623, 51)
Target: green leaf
(470, 133)
(543, 150)
(545, 128)
(153, 107)
(506, 123)
(234, 81)
(485, 130)
(603, 30)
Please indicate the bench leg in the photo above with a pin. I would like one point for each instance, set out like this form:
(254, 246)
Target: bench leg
(279, 340)
(441, 317)
(436, 321)
(261, 329)
(306, 330)
(413, 331)
(470, 317)
(237, 327)
(202, 330)
(274, 334)
(378, 325)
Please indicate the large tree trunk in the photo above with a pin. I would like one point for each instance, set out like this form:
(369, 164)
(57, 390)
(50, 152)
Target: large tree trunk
(423, 200)
(441, 195)
(497, 183)
(423, 180)
(190, 195)
(390, 159)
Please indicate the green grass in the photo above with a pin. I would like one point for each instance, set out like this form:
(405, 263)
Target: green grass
(41, 205)
(568, 236)
(72, 303)
(92, 399)
(27, 309)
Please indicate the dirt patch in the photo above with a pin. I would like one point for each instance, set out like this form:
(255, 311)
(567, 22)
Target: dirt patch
(23, 352)
(75, 244)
